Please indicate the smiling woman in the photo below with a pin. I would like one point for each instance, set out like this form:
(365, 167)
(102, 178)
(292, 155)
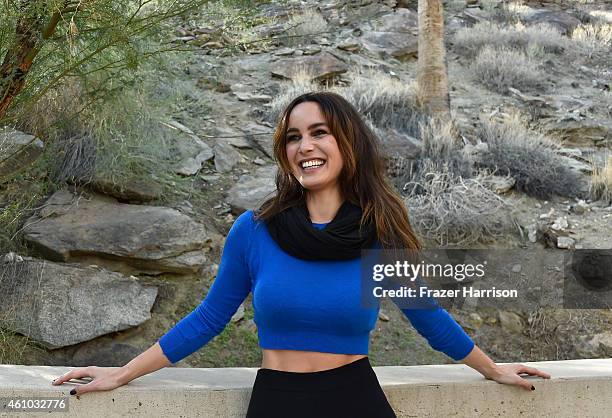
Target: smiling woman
(300, 256)
(312, 150)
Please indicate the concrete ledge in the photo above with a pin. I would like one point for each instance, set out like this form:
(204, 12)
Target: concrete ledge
(578, 388)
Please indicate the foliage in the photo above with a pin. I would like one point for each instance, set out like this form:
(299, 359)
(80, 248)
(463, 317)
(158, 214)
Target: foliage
(531, 158)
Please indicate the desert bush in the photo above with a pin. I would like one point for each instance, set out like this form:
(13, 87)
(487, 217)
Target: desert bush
(457, 211)
(440, 152)
(600, 186)
(470, 41)
(501, 68)
(386, 101)
(593, 38)
(529, 157)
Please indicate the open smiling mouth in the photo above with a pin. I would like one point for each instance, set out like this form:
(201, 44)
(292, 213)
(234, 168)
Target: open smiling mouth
(312, 165)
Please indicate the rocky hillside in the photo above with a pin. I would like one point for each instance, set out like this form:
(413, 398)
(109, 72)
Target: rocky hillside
(97, 270)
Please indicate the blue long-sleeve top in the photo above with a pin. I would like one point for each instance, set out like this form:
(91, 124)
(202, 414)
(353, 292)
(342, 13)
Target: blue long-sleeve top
(298, 304)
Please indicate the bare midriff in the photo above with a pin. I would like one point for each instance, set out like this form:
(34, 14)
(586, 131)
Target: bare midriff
(305, 361)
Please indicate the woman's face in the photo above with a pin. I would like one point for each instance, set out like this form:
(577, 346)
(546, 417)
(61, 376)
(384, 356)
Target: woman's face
(312, 151)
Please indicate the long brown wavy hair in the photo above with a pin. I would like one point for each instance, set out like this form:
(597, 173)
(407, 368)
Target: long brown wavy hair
(362, 179)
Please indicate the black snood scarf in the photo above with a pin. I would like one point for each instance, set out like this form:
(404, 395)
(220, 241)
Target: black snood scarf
(341, 239)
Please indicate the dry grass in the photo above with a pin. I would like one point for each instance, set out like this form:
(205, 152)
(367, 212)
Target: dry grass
(501, 68)
(448, 204)
(457, 211)
(469, 41)
(600, 186)
(529, 157)
(593, 37)
(387, 101)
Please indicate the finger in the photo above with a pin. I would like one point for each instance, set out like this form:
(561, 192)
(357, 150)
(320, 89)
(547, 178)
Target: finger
(533, 371)
(526, 384)
(73, 374)
(81, 389)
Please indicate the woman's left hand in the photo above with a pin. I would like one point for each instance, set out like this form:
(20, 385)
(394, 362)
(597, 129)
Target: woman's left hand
(510, 374)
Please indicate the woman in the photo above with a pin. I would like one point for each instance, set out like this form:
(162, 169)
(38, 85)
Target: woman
(300, 256)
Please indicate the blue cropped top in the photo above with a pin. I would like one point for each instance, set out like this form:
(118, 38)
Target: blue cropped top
(298, 304)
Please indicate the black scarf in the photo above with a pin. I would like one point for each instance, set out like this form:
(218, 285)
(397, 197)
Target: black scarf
(341, 239)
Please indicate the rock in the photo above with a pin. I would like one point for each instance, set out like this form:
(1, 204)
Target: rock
(258, 161)
(565, 242)
(238, 315)
(499, 184)
(397, 143)
(602, 342)
(226, 157)
(548, 215)
(130, 190)
(510, 321)
(245, 93)
(383, 317)
(583, 133)
(261, 137)
(97, 229)
(64, 304)
(210, 178)
(284, 52)
(212, 83)
(532, 233)
(560, 224)
(564, 22)
(580, 207)
(251, 190)
(191, 165)
(516, 268)
(17, 150)
(570, 152)
(310, 50)
(350, 45)
(231, 136)
(576, 165)
(320, 67)
(476, 319)
(393, 35)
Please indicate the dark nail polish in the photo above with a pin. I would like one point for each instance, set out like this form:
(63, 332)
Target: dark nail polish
(73, 391)
(532, 387)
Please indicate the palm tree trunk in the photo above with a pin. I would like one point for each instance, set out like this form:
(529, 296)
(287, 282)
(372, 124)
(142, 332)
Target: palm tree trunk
(432, 77)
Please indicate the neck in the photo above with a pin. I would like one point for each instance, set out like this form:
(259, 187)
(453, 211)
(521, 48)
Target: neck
(323, 204)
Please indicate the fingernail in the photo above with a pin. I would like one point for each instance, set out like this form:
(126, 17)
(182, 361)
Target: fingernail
(73, 391)
(532, 387)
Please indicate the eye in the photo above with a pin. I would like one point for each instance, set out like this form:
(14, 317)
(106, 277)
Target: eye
(320, 132)
(292, 138)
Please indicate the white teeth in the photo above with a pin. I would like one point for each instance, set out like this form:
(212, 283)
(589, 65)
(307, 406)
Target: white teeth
(312, 163)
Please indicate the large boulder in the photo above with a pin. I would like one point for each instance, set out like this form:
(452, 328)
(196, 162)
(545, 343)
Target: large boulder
(393, 35)
(562, 21)
(251, 190)
(99, 230)
(17, 150)
(320, 67)
(62, 304)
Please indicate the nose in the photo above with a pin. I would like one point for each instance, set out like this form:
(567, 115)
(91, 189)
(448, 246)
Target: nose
(306, 144)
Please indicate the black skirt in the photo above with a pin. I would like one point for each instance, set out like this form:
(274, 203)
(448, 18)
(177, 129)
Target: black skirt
(349, 391)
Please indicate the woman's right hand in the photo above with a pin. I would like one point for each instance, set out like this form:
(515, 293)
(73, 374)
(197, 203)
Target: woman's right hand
(104, 378)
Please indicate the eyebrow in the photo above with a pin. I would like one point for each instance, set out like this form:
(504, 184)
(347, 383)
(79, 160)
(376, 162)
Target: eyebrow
(314, 125)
